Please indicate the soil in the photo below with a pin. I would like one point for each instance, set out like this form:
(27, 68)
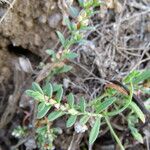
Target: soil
(120, 43)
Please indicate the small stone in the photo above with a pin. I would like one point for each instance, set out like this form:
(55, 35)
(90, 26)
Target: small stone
(37, 39)
(42, 19)
(30, 144)
(79, 128)
(29, 23)
(54, 20)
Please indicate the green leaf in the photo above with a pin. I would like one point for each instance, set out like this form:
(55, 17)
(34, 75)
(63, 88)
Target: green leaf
(56, 87)
(41, 113)
(48, 90)
(138, 111)
(136, 134)
(59, 95)
(36, 87)
(82, 104)
(88, 3)
(36, 95)
(70, 55)
(68, 23)
(71, 121)
(95, 131)
(54, 115)
(61, 38)
(50, 52)
(84, 120)
(142, 77)
(41, 129)
(131, 76)
(104, 105)
(81, 3)
(73, 12)
(41, 106)
(96, 3)
(65, 68)
(70, 99)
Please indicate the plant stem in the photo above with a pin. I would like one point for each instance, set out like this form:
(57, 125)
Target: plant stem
(114, 134)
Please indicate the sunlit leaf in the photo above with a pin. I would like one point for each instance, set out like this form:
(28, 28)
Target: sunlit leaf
(142, 77)
(131, 76)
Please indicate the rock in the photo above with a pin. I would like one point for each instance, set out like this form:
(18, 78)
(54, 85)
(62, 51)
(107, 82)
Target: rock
(54, 20)
(42, 19)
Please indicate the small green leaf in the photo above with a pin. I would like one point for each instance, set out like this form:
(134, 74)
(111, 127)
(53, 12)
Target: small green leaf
(41, 113)
(68, 23)
(56, 87)
(48, 90)
(82, 104)
(104, 105)
(70, 99)
(36, 95)
(50, 52)
(95, 131)
(41, 129)
(61, 38)
(65, 68)
(73, 12)
(88, 3)
(136, 134)
(138, 111)
(71, 121)
(59, 95)
(131, 76)
(41, 106)
(36, 87)
(84, 120)
(54, 115)
(70, 55)
(142, 77)
(96, 3)
(81, 3)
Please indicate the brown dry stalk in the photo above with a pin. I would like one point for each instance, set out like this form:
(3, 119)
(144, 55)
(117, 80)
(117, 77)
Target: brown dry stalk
(116, 87)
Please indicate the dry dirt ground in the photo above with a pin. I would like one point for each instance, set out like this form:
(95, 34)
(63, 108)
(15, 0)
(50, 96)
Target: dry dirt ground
(120, 43)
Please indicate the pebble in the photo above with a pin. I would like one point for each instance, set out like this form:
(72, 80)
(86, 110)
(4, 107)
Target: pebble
(54, 20)
(42, 19)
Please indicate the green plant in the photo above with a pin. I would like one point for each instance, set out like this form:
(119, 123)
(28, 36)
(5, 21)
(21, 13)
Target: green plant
(111, 103)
